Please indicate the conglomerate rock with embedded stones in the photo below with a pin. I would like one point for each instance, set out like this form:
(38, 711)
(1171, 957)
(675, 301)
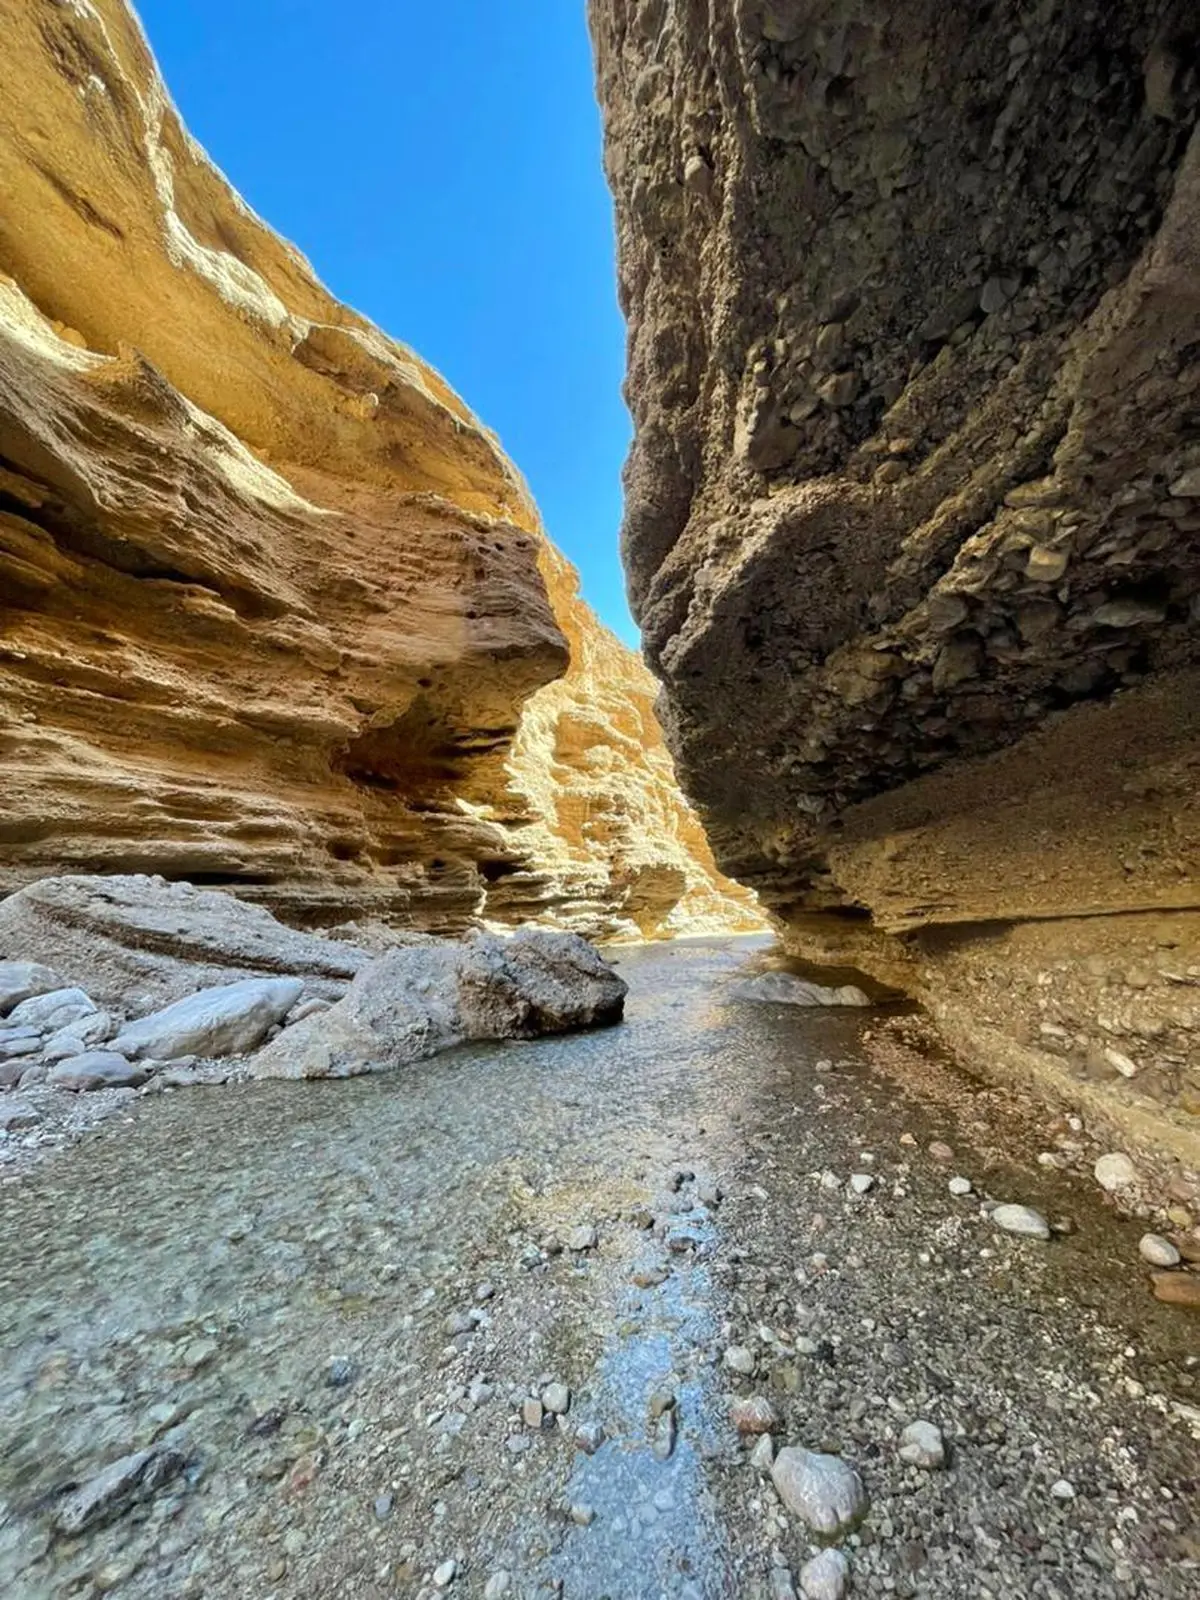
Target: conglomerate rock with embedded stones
(913, 519)
(273, 603)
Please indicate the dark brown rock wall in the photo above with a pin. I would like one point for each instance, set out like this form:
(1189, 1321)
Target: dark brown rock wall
(913, 524)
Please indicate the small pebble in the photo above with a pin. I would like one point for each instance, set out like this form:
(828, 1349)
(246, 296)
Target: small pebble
(763, 1454)
(1023, 1220)
(445, 1575)
(922, 1445)
(1115, 1171)
(825, 1577)
(753, 1414)
(383, 1506)
(556, 1398)
(497, 1586)
(738, 1359)
(583, 1514)
(959, 1186)
(862, 1182)
(581, 1238)
(1063, 1489)
(940, 1151)
(1159, 1252)
(589, 1436)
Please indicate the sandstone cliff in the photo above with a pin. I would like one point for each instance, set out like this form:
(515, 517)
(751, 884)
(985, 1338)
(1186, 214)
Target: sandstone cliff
(273, 604)
(913, 521)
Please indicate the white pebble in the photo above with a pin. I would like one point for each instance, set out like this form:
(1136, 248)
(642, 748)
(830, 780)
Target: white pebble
(1023, 1220)
(825, 1576)
(445, 1575)
(959, 1186)
(922, 1445)
(1159, 1252)
(862, 1182)
(1062, 1490)
(1114, 1171)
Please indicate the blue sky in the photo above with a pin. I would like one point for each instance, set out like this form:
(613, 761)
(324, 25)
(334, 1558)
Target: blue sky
(439, 164)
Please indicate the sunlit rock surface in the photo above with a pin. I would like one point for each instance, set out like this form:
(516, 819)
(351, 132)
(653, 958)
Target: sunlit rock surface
(274, 606)
(913, 520)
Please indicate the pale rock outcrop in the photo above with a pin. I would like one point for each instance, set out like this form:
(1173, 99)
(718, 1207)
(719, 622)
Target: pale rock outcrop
(413, 1003)
(913, 509)
(273, 603)
(138, 943)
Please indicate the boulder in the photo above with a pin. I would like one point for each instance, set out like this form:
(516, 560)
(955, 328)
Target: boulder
(96, 1069)
(414, 1002)
(18, 1042)
(227, 1020)
(21, 979)
(535, 983)
(85, 1033)
(55, 1009)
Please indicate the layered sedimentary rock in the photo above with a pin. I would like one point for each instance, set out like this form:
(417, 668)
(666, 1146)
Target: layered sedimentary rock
(913, 521)
(273, 603)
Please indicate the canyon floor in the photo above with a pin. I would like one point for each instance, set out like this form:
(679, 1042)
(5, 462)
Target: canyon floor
(344, 1320)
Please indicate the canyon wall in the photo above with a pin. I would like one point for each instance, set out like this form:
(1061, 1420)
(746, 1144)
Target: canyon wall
(276, 612)
(913, 510)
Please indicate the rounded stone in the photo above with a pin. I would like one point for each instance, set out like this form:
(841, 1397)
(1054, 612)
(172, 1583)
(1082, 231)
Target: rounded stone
(824, 1491)
(556, 1398)
(825, 1577)
(753, 1414)
(1022, 1220)
(1114, 1171)
(922, 1445)
(1159, 1252)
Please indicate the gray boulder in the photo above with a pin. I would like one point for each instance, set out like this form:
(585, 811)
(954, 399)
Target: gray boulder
(96, 1069)
(83, 1034)
(227, 1020)
(15, 1042)
(137, 942)
(53, 1010)
(21, 979)
(414, 1002)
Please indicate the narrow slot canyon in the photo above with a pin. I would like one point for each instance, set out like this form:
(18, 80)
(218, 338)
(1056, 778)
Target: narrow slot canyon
(580, 1032)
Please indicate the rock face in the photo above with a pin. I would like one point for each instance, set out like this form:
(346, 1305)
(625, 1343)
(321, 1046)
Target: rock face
(913, 517)
(274, 606)
(142, 943)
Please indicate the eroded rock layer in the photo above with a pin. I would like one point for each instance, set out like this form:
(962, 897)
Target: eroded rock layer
(913, 521)
(272, 602)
